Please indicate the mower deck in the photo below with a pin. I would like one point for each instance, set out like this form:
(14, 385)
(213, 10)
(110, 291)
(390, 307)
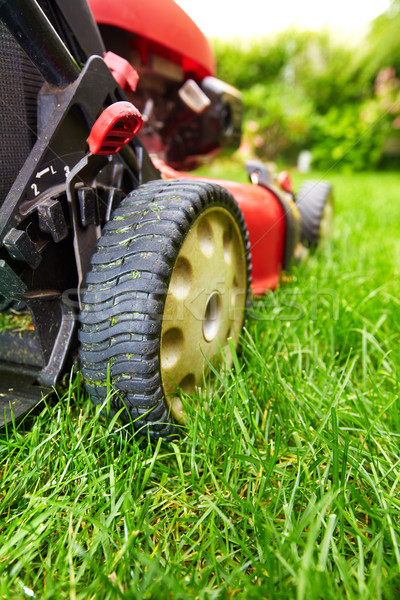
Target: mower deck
(17, 399)
(19, 391)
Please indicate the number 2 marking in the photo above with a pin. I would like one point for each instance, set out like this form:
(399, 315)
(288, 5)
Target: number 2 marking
(34, 187)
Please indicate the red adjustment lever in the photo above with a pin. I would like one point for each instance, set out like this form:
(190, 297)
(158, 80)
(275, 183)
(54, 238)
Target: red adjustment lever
(114, 128)
(122, 71)
(285, 182)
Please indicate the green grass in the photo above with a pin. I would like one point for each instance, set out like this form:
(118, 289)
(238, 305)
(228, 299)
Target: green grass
(286, 484)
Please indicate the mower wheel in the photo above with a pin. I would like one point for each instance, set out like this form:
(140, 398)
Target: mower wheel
(315, 204)
(168, 286)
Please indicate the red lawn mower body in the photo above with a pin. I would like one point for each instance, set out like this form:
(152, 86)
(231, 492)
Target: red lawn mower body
(161, 25)
(265, 220)
(161, 28)
(102, 100)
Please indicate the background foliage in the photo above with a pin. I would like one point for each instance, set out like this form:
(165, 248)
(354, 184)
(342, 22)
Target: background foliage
(309, 90)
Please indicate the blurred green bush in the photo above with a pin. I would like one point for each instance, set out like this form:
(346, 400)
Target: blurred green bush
(309, 90)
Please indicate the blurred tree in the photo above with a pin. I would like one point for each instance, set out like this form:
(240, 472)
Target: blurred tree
(279, 119)
(244, 63)
(330, 72)
(307, 89)
(384, 41)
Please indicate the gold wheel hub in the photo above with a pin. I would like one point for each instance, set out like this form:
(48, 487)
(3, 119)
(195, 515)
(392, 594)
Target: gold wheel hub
(326, 223)
(205, 302)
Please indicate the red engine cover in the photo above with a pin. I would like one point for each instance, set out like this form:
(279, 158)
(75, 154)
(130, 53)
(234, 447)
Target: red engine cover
(163, 23)
(265, 222)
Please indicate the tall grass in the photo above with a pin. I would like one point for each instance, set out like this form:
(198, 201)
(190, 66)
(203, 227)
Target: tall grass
(286, 482)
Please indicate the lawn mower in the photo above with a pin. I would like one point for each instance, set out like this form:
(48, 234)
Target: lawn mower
(127, 264)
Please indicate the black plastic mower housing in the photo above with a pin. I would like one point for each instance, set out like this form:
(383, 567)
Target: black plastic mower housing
(54, 195)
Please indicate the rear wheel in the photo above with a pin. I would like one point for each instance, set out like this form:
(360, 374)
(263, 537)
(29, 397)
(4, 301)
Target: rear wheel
(168, 286)
(315, 204)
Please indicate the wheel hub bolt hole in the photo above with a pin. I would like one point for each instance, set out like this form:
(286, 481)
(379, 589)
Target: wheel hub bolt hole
(227, 246)
(171, 345)
(212, 316)
(187, 384)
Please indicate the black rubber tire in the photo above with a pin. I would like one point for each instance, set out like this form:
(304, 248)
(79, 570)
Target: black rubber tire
(121, 317)
(312, 200)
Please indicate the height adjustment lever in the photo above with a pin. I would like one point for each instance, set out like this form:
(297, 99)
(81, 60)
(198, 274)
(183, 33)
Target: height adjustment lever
(115, 127)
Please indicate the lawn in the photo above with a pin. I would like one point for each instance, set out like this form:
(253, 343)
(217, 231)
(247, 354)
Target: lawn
(286, 482)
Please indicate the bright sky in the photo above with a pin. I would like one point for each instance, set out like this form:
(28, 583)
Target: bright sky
(223, 18)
